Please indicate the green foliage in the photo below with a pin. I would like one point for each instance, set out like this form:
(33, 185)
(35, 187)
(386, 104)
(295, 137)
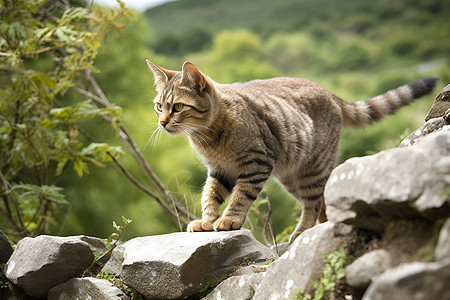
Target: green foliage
(112, 240)
(105, 275)
(44, 52)
(237, 56)
(333, 273)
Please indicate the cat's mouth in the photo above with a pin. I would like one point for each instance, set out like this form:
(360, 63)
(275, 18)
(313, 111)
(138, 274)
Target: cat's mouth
(170, 131)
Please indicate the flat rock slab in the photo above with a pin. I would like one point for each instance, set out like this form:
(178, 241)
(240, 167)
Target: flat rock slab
(86, 288)
(42, 262)
(177, 265)
(397, 183)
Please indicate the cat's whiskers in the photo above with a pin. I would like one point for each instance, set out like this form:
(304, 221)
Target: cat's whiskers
(153, 139)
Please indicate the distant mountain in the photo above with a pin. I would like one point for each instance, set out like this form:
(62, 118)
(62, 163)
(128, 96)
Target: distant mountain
(267, 16)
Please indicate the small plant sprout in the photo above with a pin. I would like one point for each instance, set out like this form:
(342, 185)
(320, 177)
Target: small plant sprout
(111, 242)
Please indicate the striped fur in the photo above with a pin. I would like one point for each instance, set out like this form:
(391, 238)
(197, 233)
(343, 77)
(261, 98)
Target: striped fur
(246, 132)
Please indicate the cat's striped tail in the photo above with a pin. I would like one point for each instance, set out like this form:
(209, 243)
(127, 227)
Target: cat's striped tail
(360, 113)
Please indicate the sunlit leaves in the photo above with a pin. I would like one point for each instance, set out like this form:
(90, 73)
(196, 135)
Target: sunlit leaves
(45, 50)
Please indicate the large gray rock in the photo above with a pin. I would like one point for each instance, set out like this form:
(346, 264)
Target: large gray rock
(5, 248)
(236, 288)
(86, 288)
(414, 281)
(40, 263)
(442, 250)
(177, 265)
(303, 262)
(362, 271)
(241, 285)
(397, 183)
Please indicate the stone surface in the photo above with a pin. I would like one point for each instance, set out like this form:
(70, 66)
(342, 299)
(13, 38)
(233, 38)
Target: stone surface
(114, 264)
(236, 288)
(397, 183)
(443, 246)
(432, 125)
(414, 281)
(5, 248)
(179, 264)
(303, 261)
(40, 263)
(86, 288)
(440, 105)
(364, 269)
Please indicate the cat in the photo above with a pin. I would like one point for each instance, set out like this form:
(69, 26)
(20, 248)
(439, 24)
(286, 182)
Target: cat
(246, 132)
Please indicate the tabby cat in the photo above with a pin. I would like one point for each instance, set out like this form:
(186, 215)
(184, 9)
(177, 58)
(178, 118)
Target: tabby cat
(246, 132)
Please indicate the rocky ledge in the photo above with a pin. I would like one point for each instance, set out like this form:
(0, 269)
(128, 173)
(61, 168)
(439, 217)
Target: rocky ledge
(388, 237)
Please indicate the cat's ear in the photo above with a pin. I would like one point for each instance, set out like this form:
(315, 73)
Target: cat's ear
(161, 75)
(192, 77)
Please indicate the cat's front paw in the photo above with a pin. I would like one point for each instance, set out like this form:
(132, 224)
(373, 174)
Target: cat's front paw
(228, 223)
(200, 225)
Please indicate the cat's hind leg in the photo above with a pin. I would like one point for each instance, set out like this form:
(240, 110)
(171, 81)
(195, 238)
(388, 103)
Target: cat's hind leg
(308, 189)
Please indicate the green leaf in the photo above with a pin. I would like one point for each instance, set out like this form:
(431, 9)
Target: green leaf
(126, 221)
(117, 227)
(60, 166)
(80, 167)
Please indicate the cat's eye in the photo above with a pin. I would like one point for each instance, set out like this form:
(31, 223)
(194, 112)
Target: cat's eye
(158, 106)
(178, 107)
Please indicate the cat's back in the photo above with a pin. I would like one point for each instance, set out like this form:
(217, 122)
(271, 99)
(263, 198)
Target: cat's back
(288, 88)
(289, 92)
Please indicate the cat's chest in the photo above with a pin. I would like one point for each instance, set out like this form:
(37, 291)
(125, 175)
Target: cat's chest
(225, 160)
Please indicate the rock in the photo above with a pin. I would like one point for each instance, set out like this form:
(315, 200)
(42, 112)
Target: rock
(414, 281)
(362, 271)
(280, 248)
(40, 263)
(236, 288)
(397, 183)
(440, 105)
(96, 245)
(443, 246)
(86, 288)
(114, 264)
(303, 262)
(250, 270)
(178, 265)
(432, 125)
(5, 248)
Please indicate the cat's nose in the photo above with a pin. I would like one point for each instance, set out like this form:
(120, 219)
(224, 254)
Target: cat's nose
(163, 123)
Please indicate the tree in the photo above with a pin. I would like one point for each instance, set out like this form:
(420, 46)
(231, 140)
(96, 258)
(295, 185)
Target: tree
(47, 48)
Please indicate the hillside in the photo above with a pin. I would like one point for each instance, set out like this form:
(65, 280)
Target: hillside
(376, 20)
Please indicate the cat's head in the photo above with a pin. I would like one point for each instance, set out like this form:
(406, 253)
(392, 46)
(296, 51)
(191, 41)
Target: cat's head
(184, 100)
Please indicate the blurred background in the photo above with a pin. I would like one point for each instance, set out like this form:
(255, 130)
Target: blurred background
(355, 48)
